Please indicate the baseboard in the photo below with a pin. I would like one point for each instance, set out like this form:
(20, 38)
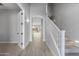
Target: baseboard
(8, 42)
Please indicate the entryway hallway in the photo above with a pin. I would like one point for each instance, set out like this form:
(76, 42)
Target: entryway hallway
(37, 47)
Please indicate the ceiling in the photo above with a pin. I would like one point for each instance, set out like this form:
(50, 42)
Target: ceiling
(9, 6)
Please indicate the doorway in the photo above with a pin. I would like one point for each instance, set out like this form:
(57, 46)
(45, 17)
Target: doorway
(37, 29)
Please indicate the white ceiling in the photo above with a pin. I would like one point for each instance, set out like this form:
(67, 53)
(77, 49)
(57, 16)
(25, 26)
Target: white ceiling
(9, 6)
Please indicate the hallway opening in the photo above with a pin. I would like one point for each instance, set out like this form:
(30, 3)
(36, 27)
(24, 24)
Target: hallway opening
(37, 29)
(37, 47)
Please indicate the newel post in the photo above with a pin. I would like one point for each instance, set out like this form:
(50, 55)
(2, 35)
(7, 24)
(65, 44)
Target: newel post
(62, 50)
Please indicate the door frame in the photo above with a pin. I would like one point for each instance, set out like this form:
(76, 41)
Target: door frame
(22, 27)
(42, 27)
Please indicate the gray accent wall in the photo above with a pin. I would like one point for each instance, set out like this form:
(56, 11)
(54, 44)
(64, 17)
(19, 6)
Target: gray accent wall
(67, 18)
(8, 26)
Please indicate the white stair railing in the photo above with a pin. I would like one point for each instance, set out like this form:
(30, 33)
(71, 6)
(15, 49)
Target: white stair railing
(54, 38)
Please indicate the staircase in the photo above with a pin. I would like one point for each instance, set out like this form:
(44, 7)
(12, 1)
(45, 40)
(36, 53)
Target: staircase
(55, 38)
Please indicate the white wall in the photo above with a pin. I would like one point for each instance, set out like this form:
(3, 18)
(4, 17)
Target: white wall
(36, 21)
(8, 26)
(37, 9)
(13, 26)
(29, 11)
(27, 24)
(26, 9)
(4, 26)
(67, 17)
